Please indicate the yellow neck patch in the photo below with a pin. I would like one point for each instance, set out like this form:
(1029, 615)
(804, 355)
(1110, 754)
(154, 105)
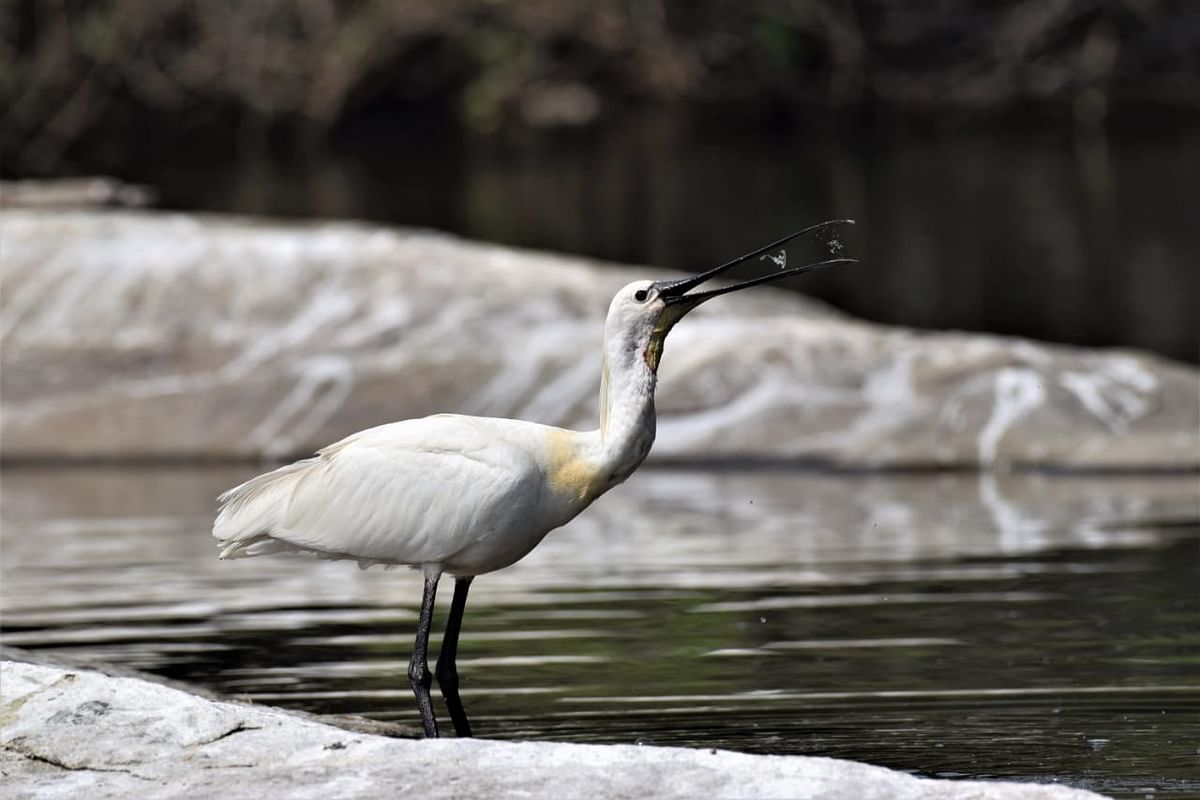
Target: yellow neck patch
(570, 474)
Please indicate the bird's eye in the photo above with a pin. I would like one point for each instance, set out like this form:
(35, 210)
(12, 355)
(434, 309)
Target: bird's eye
(640, 295)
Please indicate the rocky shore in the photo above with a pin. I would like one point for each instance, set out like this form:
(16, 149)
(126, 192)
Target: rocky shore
(149, 335)
(81, 733)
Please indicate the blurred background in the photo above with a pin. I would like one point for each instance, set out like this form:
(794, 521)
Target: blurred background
(1015, 600)
(1028, 167)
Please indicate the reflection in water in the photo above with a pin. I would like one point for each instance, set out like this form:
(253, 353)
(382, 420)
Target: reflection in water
(954, 624)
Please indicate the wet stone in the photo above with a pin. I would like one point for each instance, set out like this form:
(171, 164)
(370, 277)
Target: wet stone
(161, 742)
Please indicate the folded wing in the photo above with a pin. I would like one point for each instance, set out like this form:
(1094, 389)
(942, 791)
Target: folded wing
(412, 492)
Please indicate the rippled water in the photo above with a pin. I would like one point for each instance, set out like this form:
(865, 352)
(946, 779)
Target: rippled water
(1026, 626)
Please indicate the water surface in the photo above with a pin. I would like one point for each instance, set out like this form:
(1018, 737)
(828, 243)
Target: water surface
(1007, 626)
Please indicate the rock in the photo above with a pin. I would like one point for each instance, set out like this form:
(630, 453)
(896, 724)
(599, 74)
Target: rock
(149, 335)
(76, 733)
(73, 193)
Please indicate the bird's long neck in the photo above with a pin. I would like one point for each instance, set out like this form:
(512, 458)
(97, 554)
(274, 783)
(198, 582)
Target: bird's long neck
(626, 409)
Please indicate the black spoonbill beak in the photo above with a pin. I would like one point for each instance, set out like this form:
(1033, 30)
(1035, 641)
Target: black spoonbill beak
(678, 302)
(674, 293)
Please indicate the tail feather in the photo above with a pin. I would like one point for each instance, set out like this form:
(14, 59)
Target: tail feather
(251, 512)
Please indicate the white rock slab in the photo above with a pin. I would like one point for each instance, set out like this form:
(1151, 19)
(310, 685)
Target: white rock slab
(153, 335)
(77, 733)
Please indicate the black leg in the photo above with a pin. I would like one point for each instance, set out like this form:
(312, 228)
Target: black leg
(418, 667)
(447, 669)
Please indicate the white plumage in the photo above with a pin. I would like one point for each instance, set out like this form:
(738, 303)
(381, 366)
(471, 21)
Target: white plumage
(470, 495)
(467, 494)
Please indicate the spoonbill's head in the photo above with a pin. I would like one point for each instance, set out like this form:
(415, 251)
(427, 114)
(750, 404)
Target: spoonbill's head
(643, 312)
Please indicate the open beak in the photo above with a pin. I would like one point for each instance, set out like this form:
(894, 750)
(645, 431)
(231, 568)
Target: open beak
(679, 302)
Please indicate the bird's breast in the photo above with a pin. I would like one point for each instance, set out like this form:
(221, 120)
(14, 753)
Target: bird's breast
(570, 475)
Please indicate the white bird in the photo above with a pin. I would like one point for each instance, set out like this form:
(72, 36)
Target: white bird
(471, 495)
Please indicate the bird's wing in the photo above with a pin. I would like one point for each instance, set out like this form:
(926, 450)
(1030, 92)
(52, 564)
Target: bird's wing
(407, 493)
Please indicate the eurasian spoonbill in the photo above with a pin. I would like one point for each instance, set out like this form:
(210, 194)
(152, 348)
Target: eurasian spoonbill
(470, 495)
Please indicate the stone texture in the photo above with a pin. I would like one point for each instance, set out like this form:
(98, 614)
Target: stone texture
(153, 335)
(76, 733)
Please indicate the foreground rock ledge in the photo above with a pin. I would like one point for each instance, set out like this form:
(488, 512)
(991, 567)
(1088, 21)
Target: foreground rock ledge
(78, 733)
(152, 335)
